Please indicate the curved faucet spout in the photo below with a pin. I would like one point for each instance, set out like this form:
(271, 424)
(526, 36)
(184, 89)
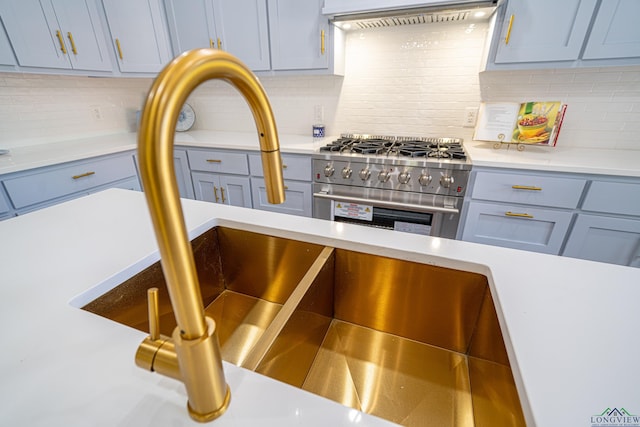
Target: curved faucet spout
(194, 338)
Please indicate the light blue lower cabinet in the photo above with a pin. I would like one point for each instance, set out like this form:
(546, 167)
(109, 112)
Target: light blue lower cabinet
(38, 188)
(4, 205)
(298, 197)
(219, 188)
(183, 174)
(606, 239)
(515, 226)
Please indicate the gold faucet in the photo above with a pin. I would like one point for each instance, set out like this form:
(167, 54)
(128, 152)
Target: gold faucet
(192, 355)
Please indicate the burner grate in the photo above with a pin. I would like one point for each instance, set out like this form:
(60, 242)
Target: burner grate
(429, 147)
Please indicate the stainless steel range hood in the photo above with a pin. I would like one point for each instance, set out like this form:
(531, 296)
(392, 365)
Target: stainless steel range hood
(389, 13)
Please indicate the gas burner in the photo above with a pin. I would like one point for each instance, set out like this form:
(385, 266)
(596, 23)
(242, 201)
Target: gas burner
(425, 147)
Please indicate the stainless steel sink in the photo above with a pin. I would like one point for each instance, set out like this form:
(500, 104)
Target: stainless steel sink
(408, 342)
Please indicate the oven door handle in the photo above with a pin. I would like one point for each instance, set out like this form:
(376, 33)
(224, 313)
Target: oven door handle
(386, 204)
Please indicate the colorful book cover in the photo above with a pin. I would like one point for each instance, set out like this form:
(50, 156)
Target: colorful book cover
(526, 123)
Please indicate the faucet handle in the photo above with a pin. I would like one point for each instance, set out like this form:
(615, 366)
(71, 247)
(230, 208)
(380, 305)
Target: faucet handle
(154, 315)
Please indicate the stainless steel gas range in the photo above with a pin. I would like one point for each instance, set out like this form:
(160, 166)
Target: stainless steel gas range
(415, 185)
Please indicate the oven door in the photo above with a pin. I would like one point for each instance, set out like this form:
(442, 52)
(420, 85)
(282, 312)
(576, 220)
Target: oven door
(432, 215)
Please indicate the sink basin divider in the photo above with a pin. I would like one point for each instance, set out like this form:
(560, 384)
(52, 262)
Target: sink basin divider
(269, 336)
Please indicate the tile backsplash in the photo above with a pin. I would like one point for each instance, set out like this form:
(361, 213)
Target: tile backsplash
(408, 80)
(36, 108)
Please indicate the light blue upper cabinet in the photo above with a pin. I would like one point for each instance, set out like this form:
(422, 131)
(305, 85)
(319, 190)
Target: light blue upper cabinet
(615, 32)
(300, 36)
(191, 24)
(237, 26)
(139, 35)
(63, 34)
(543, 30)
(6, 52)
(242, 28)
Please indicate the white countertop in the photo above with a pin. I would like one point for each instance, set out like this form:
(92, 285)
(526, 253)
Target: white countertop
(34, 156)
(557, 159)
(570, 326)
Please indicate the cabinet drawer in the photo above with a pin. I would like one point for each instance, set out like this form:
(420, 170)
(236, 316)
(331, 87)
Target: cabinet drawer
(218, 161)
(518, 227)
(59, 181)
(528, 189)
(298, 198)
(605, 239)
(293, 167)
(613, 197)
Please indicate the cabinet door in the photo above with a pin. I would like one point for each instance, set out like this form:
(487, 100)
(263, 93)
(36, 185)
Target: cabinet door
(191, 24)
(537, 31)
(138, 34)
(6, 52)
(299, 35)
(606, 239)
(57, 34)
(181, 164)
(83, 34)
(242, 29)
(298, 197)
(615, 31)
(235, 191)
(226, 189)
(518, 227)
(33, 30)
(4, 205)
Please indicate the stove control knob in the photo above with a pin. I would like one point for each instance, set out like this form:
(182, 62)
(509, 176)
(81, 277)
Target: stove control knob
(446, 181)
(384, 175)
(425, 180)
(346, 172)
(365, 174)
(404, 177)
(328, 170)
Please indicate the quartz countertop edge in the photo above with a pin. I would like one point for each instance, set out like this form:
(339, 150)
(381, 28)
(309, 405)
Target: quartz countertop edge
(482, 154)
(569, 324)
(34, 156)
(556, 159)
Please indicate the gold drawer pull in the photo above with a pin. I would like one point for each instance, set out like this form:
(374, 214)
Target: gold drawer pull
(62, 48)
(73, 44)
(222, 193)
(211, 45)
(322, 42)
(286, 188)
(119, 49)
(506, 39)
(82, 175)
(519, 215)
(284, 166)
(214, 161)
(219, 44)
(215, 193)
(526, 187)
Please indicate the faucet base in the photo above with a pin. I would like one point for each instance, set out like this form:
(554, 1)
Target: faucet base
(203, 418)
(201, 370)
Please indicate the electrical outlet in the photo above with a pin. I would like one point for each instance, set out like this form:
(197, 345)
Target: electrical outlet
(470, 117)
(97, 114)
